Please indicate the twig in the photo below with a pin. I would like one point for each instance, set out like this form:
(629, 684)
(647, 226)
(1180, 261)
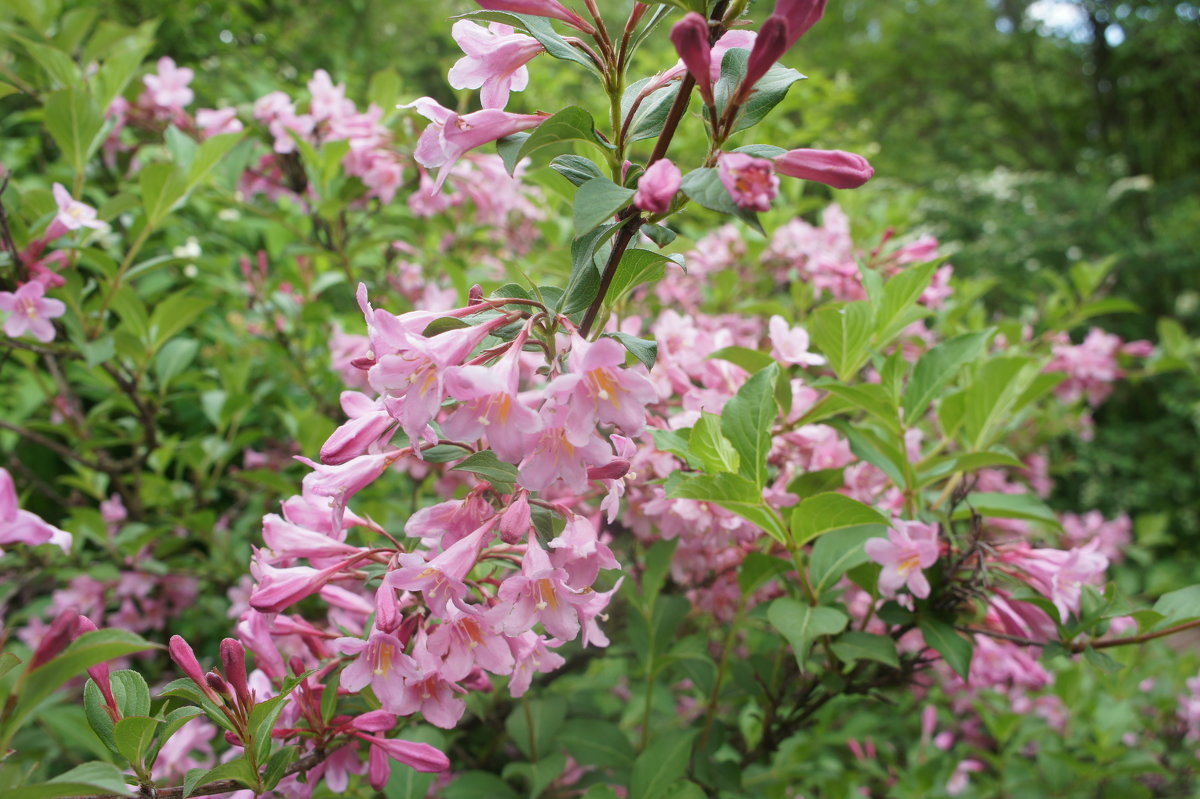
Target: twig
(52, 445)
(1080, 646)
(220, 786)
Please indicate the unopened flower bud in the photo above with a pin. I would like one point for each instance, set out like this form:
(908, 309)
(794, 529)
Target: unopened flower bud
(515, 521)
(63, 630)
(99, 673)
(801, 15)
(185, 658)
(769, 47)
(613, 470)
(691, 38)
(296, 665)
(216, 682)
(657, 186)
(233, 661)
(835, 168)
(232, 738)
(475, 295)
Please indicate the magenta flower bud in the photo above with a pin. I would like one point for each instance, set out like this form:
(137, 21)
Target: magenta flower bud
(801, 15)
(232, 739)
(296, 665)
(657, 186)
(835, 168)
(515, 521)
(691, 38)
(613, 470)
(233, 661)
(475, 295)
(63, 630)
(185, 658)
(751, 181)
(216, 683)
(374, 721)
(99, 673)
(355, 437)
(769, 47)
(539, 8)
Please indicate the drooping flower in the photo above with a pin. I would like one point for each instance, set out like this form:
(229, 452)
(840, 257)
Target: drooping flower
(751, 181)
(657, 186)
(29, 309)
(909, 548)
(835, 168)
(450, 136)
(22, 527)
(494, 62)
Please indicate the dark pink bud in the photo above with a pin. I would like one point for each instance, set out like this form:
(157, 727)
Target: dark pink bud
(691, 38)
(355, 437)
(233, 661)
(835, 168)
(613, 470)
(100, 672)
(185, 658)
(63, 630)
(539, 8)
(297, 665)
(515, 521)
(769, 47)
(216, 683)
(363, 363)
(475, 295)
(801, 15)
(232, 738)
(657, 186)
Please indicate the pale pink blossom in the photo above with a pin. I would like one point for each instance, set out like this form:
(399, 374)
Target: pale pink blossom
(450, 136)
(495, 60)
(216, 121)
(72, 214)
(22, 527)
(790, 344)
(909, 548)
(169, 88)
(657, 186)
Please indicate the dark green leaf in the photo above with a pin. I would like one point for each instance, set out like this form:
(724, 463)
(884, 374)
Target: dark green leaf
(747, 419)
(838, 551)
(856, 645)
(949, 644)
(802, 624)
(663, 762)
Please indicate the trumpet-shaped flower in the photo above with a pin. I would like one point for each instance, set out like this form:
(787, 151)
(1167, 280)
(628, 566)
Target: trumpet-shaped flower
(450, 136)
(909, 548)
(29, 309)
(494, 62)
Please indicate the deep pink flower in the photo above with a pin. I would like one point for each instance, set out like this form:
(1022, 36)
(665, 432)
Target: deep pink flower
(909, 548)
(691, 38)
(769, 47)
(30, 310)
(835, 168)
(495, 61)
(450, 136)
(657, 186)
(539, 8)
(801, 15)
(751, 181)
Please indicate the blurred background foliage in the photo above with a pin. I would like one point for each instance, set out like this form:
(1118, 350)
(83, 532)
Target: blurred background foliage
(1026, 134)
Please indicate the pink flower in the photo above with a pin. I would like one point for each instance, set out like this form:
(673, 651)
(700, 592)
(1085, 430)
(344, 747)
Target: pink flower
(801, 15)
(72, 214)
(769, 47)
(466, 639)
(215, 121)
(381, 663)
(22, 527)
(691, 38)
(835, 168)
(169, 88)
(490, 406)
(30, 310)
(539, 592)
(790, 344)
(495, 61)
(750, 181)
(539, 8)
(450, 136)
(601, 389)
(909, 548)
(961, 778)
(657, 186)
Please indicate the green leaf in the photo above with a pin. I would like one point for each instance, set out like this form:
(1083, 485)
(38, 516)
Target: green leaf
(277, 765)
(704, 186)
(89, 778)
(595, 742)
(84, 652)
(842, 333)
(576, 168)
(1180, 606)
(75, 123)
(172, 723)
(938, 367)
(644, 350)
(838, 551)
(732, 492)
(750, 360)
(637, 267)
(711, 447)
(173, 315)
(758, 569)
(115, 73)
(597, 202)
(856, 645)
(57, 64)
(898, 307)
(237, 769)
(654, 574)
(173, 359)
(584, 281)
(822, 513)
(869, 397)
(384, 89)
(570, 124)
(209, 155)
(991, 398)
(163, 187)
(478, 785)
(538, 774)
(185, 689)
(663, 762)
(746, 420)
(8, 662)
(769, 92)
(133, 736)
(651, 113)
(949, 644)
(802, 624)
(873, 447)
(547, 714)
(1007, 506)
(501, 475)
(263, 717)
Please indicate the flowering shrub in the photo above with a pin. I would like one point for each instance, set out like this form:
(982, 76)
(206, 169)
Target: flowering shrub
(665, 532)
